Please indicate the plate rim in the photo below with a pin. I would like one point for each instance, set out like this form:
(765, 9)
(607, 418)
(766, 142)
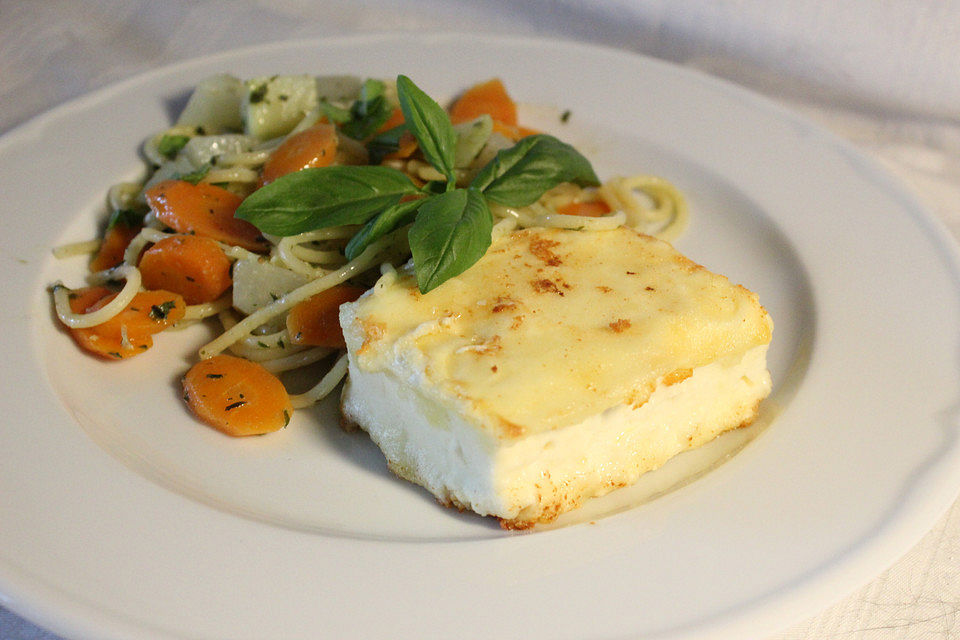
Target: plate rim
(933, 226)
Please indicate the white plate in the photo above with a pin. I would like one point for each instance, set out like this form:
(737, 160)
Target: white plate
(123, 518)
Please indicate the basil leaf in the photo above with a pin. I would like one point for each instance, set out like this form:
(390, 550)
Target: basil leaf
(430, 125)
(125, 218)
(434, 187)
(361, 128)
(169, 146)
(518, 176)
(385, 143)
(333, 113)
(388, 220)
(324, 197)
(368, 113)
(193, 177)
(371, 90)
(451, 232)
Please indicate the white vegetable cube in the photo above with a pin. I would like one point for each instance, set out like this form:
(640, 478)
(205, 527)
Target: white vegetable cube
(257, 283)
(215, 105)
(272, 106)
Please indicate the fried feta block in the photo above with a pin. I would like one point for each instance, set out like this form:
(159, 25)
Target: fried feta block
(560, 366)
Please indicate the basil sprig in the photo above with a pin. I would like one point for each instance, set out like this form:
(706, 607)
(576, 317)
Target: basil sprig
(368, 113)
(451, 225)
(388, 220)
(324, 197)
(451, 232)
(385, 143)
(430, 125)
(518, 176)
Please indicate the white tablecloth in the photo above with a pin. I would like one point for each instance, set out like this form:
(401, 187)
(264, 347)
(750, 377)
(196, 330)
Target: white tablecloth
(886, 76)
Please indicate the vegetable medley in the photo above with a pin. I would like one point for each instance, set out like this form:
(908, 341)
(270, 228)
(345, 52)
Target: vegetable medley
(273, 201)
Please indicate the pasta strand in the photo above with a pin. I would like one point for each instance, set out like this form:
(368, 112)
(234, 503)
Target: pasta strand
(323, 388)
(359, 264)
(61, 297)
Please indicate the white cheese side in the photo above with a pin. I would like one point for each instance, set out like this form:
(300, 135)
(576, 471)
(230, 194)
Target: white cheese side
(560, 366)
(537, 478)
(540, 477)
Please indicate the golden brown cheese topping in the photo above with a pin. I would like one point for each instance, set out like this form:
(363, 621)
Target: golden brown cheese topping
(553, 326)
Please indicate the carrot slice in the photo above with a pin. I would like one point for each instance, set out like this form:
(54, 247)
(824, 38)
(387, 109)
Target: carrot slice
(313, 147)
(193, 266)
(395, 120)
(589, 208)
(513, 132)
(405, 147)
(205, 210)
(130, 332)
(316, 320)
(83, 299)
(113, 246)
(236, 396)
(488, 97)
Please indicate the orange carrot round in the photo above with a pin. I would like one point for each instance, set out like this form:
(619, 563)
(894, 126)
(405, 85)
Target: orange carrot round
(236, 396)
(82, 299)
(193, 266)
(395, 120)
(113, 246)
(406, 146)
(205, 210)
(313, 147)
(130, 332)
(488, 97)
(589, 208)
(316, 320)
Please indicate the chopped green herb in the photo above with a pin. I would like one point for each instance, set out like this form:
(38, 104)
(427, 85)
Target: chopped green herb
(258, 93)
(126, 218)
(334, 113)
(159, 311)
(169, 146)
(194, 177)
(368, 112)
(231, 407)
(565, 116)
(286, 417)
(385, 143)
(215, 375)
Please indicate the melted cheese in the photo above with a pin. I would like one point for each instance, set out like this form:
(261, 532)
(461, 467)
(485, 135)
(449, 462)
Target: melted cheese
(552, 327)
